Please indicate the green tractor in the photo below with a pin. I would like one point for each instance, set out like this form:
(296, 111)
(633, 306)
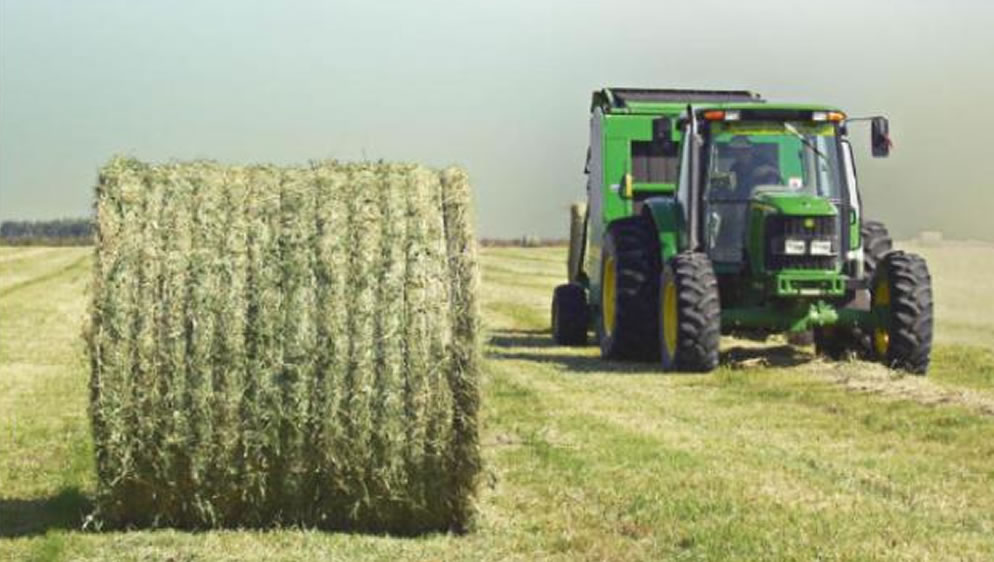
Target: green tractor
(712, 212)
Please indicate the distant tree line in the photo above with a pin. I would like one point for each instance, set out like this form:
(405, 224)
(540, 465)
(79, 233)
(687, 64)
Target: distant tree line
(59, 232)
(522, 242)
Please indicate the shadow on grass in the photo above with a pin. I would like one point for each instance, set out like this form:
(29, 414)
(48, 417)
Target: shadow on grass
(521, 338)
(770, 356)
(70, 508)
(537, 345)
(22, 518)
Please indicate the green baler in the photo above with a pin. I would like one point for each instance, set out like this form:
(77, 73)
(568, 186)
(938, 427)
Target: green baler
(713, 212)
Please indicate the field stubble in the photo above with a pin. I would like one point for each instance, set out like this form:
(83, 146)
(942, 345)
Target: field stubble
(777, 455)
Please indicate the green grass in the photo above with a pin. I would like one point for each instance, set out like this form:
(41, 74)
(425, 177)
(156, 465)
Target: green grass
(961, 274)
(964, 365)
(776, 455)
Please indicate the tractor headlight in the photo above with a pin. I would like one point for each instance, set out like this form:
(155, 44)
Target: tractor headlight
(821, 247)
(794, 247)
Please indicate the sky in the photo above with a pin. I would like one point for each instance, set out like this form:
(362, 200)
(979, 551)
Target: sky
(500, 88)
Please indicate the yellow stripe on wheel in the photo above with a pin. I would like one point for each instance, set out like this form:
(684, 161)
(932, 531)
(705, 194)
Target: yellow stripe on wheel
(669, 315)
(881, 297)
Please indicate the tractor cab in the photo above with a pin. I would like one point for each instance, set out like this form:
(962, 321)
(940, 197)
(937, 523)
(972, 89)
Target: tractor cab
(756, 162)
(769, 199)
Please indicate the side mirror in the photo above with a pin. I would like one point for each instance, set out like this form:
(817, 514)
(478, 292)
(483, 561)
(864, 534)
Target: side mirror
(880, 137)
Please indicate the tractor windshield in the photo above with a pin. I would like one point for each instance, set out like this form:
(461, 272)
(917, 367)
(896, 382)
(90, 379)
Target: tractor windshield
(750, 157)
(747, 157)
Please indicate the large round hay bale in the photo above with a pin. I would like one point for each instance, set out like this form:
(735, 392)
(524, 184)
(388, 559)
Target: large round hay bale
(285, 346)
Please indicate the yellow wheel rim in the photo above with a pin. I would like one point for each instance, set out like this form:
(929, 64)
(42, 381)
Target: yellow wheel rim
(881, 341)
(881, 297)
(669, 317)
(608, 296)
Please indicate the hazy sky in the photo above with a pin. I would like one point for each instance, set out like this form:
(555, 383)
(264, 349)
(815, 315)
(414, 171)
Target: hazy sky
(501, 88)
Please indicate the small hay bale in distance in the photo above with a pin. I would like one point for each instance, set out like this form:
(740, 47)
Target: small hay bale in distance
(285, 346)
(577, 241)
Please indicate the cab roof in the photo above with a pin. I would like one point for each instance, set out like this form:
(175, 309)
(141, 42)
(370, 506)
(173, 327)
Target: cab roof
(613, 99)
(674, 101)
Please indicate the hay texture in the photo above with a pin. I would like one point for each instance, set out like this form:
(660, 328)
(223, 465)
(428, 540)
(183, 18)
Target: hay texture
(285, 346)
(577, 241)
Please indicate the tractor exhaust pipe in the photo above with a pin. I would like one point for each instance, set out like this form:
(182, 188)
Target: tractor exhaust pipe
(693, 203)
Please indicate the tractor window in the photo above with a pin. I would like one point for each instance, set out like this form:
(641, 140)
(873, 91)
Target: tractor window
(748, 157)
(652, 163)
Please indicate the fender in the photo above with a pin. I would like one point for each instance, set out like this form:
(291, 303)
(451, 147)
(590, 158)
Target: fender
(667, 215)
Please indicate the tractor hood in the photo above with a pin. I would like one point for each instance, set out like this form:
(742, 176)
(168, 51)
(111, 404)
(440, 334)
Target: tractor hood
(788, 203)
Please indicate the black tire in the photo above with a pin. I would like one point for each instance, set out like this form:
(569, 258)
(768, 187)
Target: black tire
(877, 243)
(698, 314)
(569, 315)
(631, 244)
(903, 335)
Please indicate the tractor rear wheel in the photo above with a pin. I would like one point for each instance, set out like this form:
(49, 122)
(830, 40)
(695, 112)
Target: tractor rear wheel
(628, 321)
(690, 314)
(901, 303)
(569, 315)
(877, 243)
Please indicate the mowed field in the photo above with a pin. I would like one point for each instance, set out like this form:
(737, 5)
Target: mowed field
(776, 455)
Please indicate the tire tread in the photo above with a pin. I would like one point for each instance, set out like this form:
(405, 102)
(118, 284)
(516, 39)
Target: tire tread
(699, 312)
(911, 312)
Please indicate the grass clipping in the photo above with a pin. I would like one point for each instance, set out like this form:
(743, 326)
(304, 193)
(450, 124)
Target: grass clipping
(285, 346)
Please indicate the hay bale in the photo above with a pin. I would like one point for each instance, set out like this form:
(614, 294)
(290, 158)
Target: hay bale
(577, 241)
(463, 366)
(285, 346)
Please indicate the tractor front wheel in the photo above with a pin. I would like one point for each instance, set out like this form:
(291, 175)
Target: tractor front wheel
(569, 315)
(690, 314)
(901, 303)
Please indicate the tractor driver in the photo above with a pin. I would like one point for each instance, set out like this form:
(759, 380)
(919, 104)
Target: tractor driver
(751, 167)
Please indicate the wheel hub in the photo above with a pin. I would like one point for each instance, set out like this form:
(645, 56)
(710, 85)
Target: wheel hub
(881, 299)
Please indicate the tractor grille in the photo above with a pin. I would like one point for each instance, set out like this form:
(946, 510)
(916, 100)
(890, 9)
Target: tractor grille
(780, 227)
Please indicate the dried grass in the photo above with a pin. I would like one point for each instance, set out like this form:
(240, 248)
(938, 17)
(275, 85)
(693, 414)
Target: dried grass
(577, 241)
(285, 346)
